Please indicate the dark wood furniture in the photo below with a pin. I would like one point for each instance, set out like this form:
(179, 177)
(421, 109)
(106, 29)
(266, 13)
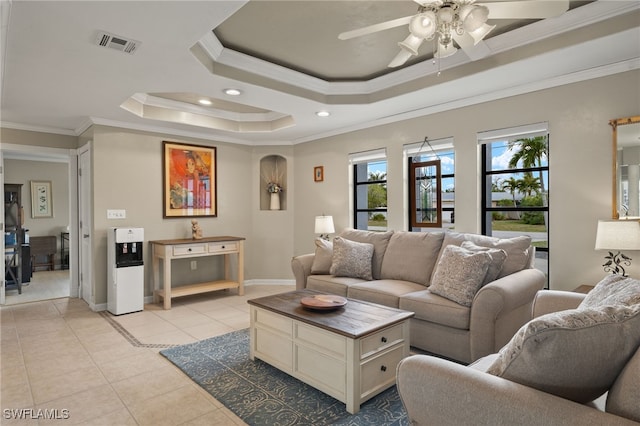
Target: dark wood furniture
(43, 252)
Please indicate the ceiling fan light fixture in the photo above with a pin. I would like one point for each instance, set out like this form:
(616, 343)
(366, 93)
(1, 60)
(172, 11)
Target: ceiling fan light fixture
(423, 25)
(445, 50)
(473, 17)
(411, 44)
(446, 15)
(481, 33)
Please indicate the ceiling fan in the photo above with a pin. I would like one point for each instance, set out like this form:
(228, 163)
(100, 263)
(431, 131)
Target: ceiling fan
(462, 21)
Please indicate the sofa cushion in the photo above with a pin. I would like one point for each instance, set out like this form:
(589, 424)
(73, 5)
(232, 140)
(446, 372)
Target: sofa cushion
(431, 307)
(624, 395)
(380, 240)
(517, 248)
(384, 292)
(498, 256)
(459, 274)
(351, 259)
(331, 284)
(411, 256)
(575, 354)
(323, 257)
(613, 290)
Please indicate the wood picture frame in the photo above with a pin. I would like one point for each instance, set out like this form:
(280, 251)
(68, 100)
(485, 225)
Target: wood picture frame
(189, 180)
(318, 173)
(41, 199)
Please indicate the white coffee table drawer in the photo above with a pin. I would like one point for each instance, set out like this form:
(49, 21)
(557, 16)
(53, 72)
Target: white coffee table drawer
(381, 339)
(266, 319)
(380, 370)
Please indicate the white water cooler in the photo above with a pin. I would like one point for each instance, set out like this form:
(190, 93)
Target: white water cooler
(125, 266)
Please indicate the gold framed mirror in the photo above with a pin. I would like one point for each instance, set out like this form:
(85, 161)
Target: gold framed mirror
(626, 167)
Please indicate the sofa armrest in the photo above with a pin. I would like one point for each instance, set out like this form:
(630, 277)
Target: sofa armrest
(301, 267)
(500, 308)
(435, 391)
(548, 301)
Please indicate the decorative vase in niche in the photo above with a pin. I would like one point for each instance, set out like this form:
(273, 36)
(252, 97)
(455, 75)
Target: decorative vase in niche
(275, 201)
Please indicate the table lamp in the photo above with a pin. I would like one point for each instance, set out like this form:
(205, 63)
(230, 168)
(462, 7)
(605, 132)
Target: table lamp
(617, 235)
(324, 226)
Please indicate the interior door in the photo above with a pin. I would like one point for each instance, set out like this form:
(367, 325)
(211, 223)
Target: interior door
(84, 213)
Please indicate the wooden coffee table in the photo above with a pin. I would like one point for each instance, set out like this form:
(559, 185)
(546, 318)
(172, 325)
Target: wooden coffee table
(350, 353)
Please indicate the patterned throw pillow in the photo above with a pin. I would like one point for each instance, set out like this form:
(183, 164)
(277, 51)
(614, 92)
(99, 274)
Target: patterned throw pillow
(351, 259)
(613, 290)
(459, 274)
(323, 257)
(498, 257)
(575, 354)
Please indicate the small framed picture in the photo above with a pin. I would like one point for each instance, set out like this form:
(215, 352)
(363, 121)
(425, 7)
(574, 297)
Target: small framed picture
(41, 199)
(318, 173)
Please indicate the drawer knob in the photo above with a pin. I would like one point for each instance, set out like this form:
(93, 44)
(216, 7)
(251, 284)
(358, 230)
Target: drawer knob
(384, 339)
(383, 368)
(223, 247)
(189, 249)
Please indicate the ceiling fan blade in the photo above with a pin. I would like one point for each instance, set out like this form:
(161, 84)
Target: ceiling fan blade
(375, 28)
(425, 2)
(530, 9)
(402, 57)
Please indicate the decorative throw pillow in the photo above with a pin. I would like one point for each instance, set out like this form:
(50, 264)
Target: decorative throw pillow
(322, 260)
(351, 259)
(411, 256)
(613, 290)
(575, 354)
(380, 240)
(517, 248)
(459, 274)
(498, 257)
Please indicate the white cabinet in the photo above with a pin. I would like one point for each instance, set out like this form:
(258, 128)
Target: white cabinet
(352, 370)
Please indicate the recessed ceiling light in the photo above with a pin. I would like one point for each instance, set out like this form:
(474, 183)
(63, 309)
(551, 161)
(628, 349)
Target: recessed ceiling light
(323, 113)
(204, 102)
(232, 92)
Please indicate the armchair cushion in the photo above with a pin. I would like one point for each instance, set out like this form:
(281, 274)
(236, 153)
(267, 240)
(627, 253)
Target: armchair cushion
(575, 354)
(459, 274)
(323, 258)
(613, 290)
(351, 259)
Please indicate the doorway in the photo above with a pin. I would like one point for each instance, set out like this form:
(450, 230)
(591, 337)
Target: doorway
(56, 168)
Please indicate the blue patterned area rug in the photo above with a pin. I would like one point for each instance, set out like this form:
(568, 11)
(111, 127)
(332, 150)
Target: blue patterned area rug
(262, 395)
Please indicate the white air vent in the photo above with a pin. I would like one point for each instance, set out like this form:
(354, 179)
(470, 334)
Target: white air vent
(113, 41)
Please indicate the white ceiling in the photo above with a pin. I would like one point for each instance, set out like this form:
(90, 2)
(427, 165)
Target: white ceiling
(56, 79)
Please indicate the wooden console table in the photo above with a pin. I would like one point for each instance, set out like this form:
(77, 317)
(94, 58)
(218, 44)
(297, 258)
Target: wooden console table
(167, 250)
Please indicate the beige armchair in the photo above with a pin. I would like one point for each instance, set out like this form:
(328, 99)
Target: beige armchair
(439, 392)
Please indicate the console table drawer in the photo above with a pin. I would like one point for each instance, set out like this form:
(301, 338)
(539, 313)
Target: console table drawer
(189, 250)
(381, 339)
(231, 247)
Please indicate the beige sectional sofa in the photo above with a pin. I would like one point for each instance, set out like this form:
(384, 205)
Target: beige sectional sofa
(576, 362)
(470, 293)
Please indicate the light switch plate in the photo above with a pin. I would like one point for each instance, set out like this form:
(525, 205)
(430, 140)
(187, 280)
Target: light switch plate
(116, 214)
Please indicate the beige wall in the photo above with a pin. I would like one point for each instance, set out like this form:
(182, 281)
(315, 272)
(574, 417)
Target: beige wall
(580, 167)
(127, 174)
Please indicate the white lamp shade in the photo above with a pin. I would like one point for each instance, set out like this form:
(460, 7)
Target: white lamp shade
(474, 17)
(618, 235)
(444, 51)
(423, 25)
(324, 225)
(481, 32)
(411, 44)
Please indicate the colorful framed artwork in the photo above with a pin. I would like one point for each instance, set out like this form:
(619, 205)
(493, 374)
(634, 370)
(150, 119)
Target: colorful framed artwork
(318, 174)
(41, 199)
(190, 184)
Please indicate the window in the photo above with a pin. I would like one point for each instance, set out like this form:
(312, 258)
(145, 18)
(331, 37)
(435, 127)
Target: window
(515, 188)
(369, 190)
(431, 200)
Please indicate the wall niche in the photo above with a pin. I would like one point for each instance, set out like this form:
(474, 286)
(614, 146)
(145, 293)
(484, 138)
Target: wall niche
(273, 183)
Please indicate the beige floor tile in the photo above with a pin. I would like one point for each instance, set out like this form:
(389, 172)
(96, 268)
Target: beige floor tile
(150, 384)
(115, 353)
(16, 396)
(84, 407)
(40, 326)
(178, 337)
(55, 387)
(189, 319)
(44, 369)
(12, 376)
(152, 328)
(123, 368)
(218, 417)
(204, 331)
(172, 408)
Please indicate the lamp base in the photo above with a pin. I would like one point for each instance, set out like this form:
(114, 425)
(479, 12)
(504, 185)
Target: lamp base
(614, 263)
